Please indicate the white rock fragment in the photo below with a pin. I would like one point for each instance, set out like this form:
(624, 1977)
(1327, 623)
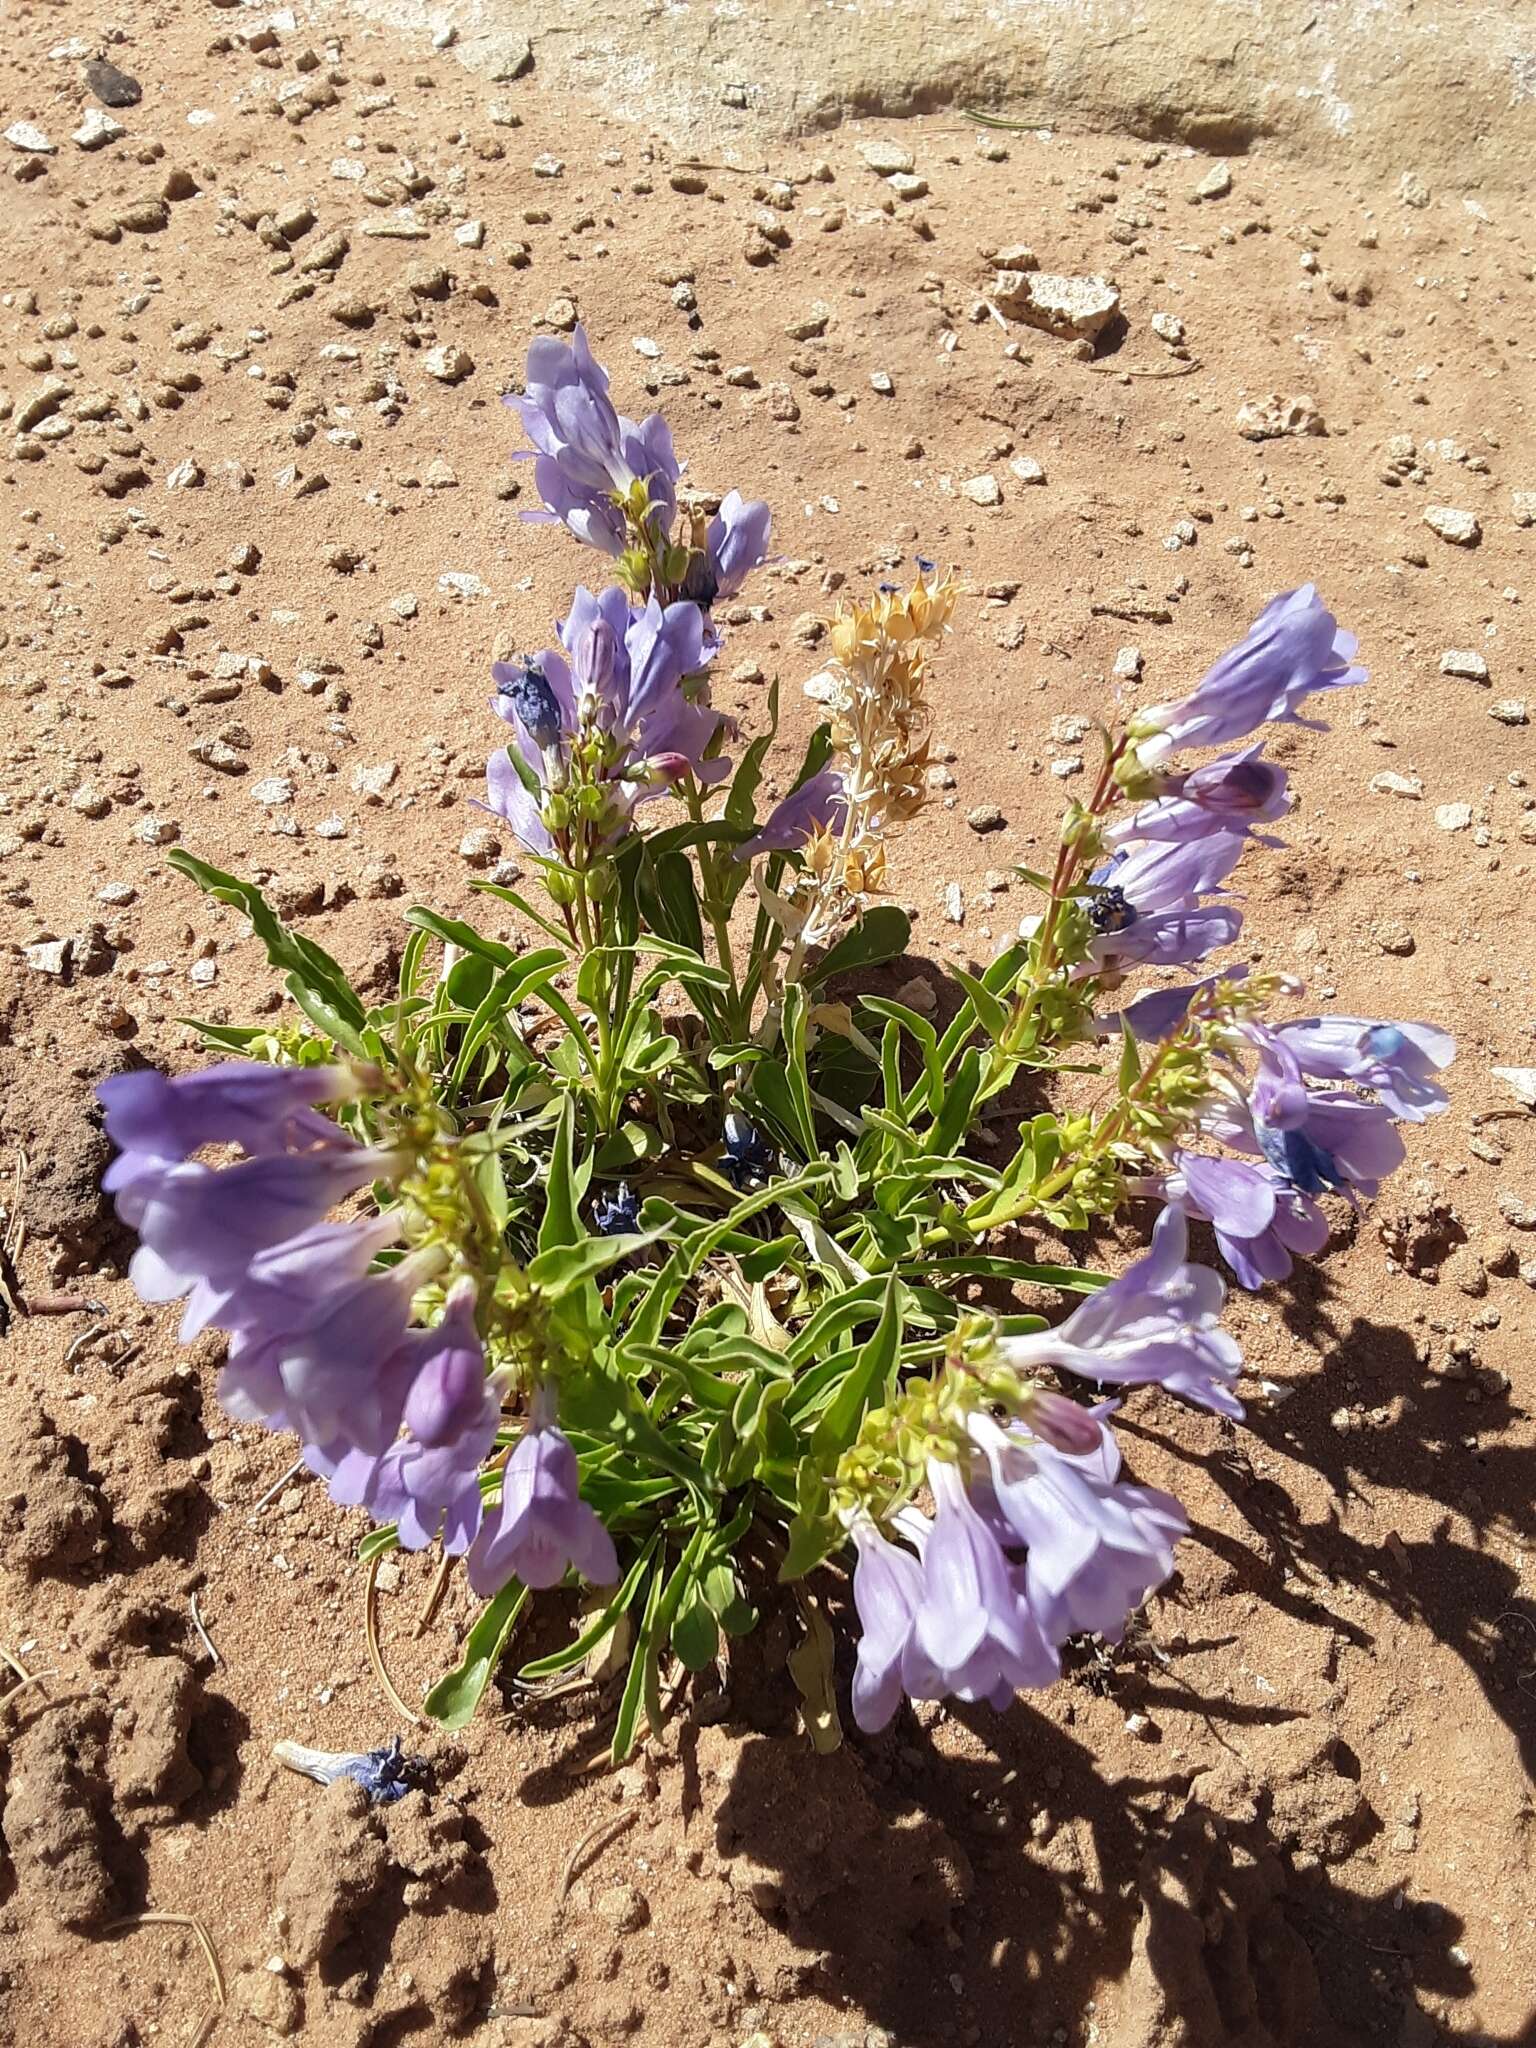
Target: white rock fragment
(1390, 784)
(885, 157)
(373, 780)
(1273, 417)
(448, 363)
(30, 139)
(155, 831)
(1510, 711)
(1074, 307)
(186, 476)
(1027, 470)
(272, 790)
(1459, 528)
(1461, 661)
(1520, 1081)
(97, 129)
(461, 583)
(644, 345)
(51, 957)
(469, 234)
(907, 185)
(954, 903)
(1127, 666)
(882, 383)
(1216, 183)
(1168, 327)
(548, 166)
(811, 324)
(1522, 505)
(1453, 817)
(982, 490)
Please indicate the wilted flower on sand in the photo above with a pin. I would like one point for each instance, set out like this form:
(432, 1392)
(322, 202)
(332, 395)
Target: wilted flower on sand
(384, 1773)
(1294, 648)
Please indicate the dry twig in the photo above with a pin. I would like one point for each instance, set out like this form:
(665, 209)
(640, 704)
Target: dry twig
(606, 1831)
(371, 1632)
(135, 1921)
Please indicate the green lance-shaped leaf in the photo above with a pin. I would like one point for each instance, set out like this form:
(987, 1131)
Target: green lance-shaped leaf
(454, 1698)
(316, 982)
(868, 1380)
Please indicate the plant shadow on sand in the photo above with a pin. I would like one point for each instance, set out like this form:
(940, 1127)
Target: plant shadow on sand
(1164, 1908)
(1200, 1904)
(1444, 1440)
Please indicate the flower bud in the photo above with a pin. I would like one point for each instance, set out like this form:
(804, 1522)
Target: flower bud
(1060, 1422)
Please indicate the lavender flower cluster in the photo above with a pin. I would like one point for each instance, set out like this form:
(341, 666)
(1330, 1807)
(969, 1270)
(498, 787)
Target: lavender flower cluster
(394, 1344)
(1034, 1537)
(619, 710)
(398, 1420)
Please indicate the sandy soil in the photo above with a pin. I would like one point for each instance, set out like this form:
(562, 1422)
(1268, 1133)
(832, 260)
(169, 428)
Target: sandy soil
(260, 553)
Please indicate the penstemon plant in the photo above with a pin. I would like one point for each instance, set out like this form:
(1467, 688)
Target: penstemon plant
(666, 1299)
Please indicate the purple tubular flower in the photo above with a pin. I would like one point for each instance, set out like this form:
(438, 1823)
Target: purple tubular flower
(1314, 1138)
(427, 1482)
(1260, 1220)
(973, 1633)
(1397, 1061)
(818, 804)
(1095, 1546)
(508, 796)
(157, 1121)
(541, 1526)
(887, 1587)
(633, 672)
(1295, 647)
(587, 453)
(1150, 907)
(206, 1223)
(1158, 1321)
(1230, 795)
(736, 543)
(341, 1372)
(281, 1284)
(1160, 1013)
